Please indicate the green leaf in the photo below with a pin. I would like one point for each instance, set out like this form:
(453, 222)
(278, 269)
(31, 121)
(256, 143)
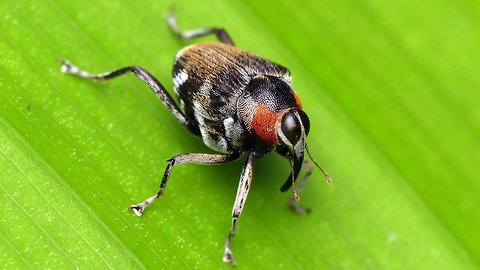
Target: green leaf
(392, 91)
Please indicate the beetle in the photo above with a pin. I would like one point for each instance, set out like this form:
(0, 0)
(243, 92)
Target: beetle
(236, 101)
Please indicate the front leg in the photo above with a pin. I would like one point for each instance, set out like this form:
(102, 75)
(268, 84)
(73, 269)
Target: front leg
(242, 193)
(204, 159)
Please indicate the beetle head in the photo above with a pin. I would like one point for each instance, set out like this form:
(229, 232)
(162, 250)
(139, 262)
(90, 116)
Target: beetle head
(292, 131)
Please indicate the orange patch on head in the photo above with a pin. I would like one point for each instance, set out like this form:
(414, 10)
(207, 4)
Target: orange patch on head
(297, 101)
(263, 124)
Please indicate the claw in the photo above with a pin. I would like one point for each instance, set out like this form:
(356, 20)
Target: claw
(228, 255)
(138, 208)
(66, 66)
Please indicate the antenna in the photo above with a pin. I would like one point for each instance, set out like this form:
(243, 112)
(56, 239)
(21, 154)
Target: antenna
(325, 174)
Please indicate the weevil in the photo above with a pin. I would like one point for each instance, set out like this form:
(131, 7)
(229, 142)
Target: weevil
(237, 102)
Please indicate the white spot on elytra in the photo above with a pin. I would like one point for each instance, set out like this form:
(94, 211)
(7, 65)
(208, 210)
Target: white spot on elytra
(180, 78)
(218, 144)
(228, 124)
(182, 105)
(205, 88)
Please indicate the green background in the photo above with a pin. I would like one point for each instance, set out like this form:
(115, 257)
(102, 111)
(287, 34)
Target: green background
(392, 91)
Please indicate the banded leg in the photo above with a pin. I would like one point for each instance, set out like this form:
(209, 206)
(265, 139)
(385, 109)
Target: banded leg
(221, 34)
(197, 158)
(242, 193)
(143, 75)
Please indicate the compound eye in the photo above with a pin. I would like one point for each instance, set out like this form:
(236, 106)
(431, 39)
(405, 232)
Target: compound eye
(291, 127)
(305, 121)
